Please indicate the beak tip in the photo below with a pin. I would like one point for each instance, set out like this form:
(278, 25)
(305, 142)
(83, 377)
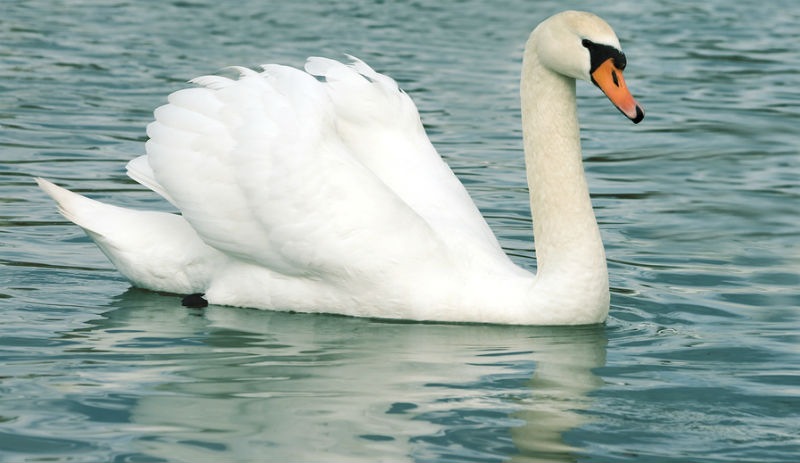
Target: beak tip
(639, 115)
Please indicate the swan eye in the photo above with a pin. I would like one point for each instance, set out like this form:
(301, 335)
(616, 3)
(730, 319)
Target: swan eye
(620, 61)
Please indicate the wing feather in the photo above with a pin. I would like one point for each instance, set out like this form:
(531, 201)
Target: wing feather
(258, 168)
(381, 127)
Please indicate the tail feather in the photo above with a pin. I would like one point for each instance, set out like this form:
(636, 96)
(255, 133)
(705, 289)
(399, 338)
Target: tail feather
(76, 208)
(153, 250)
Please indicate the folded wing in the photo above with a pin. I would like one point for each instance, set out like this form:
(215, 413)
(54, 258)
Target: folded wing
(306, 176)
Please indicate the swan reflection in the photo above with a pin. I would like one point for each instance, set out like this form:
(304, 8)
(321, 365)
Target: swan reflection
(246, 384)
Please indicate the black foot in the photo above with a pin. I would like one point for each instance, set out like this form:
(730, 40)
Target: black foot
(194, 301)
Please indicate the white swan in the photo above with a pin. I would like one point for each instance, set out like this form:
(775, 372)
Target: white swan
(319, 191)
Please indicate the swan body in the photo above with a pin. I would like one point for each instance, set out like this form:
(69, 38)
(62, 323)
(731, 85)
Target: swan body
(319, 191)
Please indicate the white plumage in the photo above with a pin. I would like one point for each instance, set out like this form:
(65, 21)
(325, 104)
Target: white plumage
(319, 191)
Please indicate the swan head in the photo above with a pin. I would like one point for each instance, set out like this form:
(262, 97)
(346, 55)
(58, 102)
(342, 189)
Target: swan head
(582, 46)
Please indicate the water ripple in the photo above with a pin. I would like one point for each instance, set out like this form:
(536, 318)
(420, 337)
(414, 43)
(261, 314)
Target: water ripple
(698, 207)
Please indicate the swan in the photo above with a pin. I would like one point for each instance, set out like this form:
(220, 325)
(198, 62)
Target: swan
(318, 190)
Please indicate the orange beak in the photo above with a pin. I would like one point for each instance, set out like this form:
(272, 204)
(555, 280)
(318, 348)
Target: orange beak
(609, 78)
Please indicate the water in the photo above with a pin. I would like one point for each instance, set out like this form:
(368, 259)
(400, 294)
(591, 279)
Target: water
(698, 207)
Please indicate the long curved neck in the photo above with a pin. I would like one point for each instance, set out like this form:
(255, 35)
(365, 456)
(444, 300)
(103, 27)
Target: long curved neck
(569, 249)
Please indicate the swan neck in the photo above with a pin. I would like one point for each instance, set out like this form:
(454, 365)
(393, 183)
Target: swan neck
(567, 239)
